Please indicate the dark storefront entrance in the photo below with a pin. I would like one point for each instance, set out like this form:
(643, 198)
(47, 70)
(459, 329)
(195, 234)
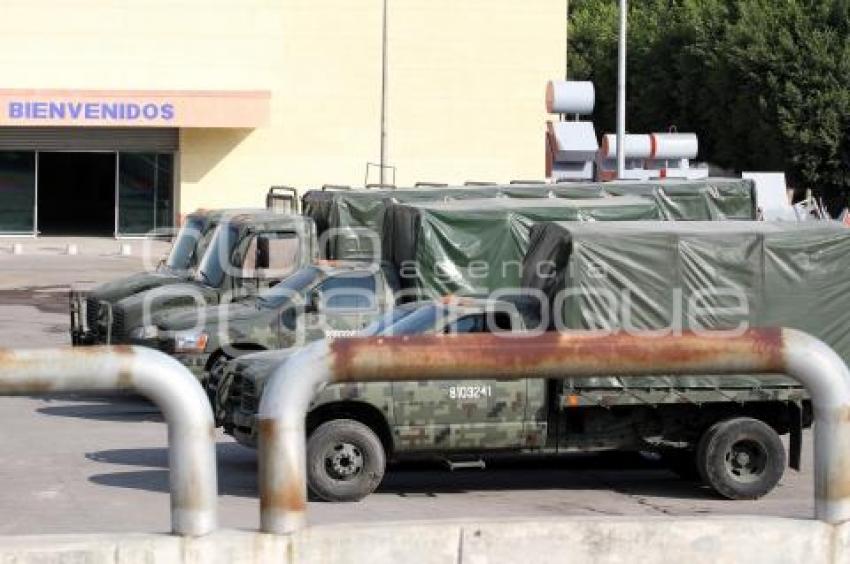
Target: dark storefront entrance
(76, 193)
(86, 181)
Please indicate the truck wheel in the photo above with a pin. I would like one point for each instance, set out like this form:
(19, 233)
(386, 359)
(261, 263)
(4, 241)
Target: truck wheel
(741, 458)
(345, 460)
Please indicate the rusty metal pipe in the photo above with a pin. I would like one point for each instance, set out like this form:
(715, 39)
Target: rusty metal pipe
(288, 393)
(163, 380)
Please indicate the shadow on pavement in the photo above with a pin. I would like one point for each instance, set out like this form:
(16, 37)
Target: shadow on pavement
(127, 408)
(47, 299)
(237, 475)
(237, 469)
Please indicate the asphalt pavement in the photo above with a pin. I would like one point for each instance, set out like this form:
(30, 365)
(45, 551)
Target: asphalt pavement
(99, 464)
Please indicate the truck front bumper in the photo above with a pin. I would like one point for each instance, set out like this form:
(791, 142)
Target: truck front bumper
(81, 334)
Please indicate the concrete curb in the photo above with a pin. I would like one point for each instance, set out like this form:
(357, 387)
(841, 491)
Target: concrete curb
(603, 540)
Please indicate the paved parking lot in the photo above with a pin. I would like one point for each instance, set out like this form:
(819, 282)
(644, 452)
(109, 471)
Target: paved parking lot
(91, 463)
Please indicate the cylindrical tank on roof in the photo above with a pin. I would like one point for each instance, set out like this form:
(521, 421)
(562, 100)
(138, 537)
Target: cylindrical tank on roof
(570, 97)
(675, 145)
(637, 146)
(656, 146)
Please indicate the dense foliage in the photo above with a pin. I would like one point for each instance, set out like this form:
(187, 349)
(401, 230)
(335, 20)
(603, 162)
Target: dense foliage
(765, 83)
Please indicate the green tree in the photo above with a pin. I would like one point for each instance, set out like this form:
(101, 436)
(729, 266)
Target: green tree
(765, 83)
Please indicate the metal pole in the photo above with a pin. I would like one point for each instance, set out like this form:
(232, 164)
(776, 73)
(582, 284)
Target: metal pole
(287, 395)
(163, 380)
(384, 73)
(621, 92)
(117, 190)
(35, 209)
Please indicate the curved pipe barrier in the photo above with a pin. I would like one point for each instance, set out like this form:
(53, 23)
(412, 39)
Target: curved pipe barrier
(287, 396)
(163, 380)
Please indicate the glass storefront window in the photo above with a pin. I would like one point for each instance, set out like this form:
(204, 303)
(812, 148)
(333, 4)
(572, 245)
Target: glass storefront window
(145, 182)
(17, 191)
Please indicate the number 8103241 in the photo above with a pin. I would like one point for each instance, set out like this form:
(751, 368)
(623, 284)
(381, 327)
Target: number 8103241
(470, 392)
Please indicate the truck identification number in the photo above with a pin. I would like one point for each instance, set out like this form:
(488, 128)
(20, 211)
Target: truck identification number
(470, 392)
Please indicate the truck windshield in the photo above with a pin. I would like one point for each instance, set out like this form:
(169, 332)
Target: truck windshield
(188, 239)
(217, 257)
(276, 296)
(403, 321)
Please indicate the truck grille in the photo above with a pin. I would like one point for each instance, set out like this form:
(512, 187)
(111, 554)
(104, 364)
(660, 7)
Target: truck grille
(91, 314)
(249, 396)
(118, 327)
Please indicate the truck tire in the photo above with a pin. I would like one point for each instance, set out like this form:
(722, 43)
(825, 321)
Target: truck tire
(741, 458)
(345, 461)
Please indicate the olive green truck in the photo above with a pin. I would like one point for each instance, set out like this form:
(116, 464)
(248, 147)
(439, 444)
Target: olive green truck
(625, 276)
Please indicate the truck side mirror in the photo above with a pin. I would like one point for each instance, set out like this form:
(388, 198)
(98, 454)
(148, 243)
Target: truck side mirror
(314, 298)
(262, 259)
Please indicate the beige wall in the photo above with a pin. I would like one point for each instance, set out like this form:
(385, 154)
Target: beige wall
(465, 89)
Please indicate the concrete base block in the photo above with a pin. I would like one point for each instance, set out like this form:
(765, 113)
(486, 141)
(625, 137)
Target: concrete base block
(612, 541)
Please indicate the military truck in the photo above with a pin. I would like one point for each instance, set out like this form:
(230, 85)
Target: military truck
(248, 252)
(724, 430)
(476, 246)
(187, 249)
(353, 428)
(324, 299)
(350, 212)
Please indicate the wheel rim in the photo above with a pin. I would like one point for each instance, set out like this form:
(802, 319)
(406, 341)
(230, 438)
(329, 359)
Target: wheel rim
(746, 461)
(344, 461)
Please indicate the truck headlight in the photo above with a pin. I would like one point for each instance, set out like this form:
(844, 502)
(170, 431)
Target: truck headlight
(190, 342)
(145, 332)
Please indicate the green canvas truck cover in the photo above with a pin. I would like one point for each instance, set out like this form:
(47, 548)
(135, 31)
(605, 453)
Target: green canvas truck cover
(710, 199)
(694, 275)
(695, 200)
(365, 209)
(475, 246)
(316, 204)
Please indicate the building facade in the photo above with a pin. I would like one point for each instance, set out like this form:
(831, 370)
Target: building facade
(117, 117)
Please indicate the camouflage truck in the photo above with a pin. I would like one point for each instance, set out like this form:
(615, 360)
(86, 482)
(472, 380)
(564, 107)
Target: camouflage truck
(188, 247)
(725, 430)
(354, 428)
(248, 252)
(324, 299)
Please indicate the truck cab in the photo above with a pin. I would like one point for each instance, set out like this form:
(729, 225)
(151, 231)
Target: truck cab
(247, 253)
(189, 246)
(321, 300)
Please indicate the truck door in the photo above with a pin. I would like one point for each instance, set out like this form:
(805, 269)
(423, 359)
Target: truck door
(345, 303)
(462, 415)
(271, 256)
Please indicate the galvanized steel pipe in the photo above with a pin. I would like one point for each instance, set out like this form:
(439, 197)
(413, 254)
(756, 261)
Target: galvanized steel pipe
(287, 395)
(163, 380)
